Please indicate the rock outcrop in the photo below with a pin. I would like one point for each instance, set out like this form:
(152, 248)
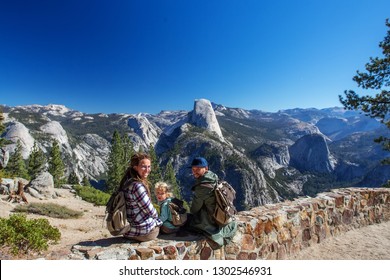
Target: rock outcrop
(272, 157)
(57, 132)
(311, 153)
(147, 132)
(18, 131)
(203, 116)
(42, 186)
(91, 155)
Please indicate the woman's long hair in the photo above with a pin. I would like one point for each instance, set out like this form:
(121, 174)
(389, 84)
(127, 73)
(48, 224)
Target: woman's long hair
(132, 174)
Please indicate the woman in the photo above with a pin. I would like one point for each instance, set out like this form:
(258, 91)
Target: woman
(141, 214)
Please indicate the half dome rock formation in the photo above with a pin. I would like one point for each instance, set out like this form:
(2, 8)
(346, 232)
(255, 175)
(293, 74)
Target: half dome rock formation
(203, 116)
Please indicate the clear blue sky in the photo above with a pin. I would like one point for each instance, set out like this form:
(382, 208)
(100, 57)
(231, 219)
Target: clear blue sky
(125, 56)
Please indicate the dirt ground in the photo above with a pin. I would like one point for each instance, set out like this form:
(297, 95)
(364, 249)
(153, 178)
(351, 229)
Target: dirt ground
(89, 227)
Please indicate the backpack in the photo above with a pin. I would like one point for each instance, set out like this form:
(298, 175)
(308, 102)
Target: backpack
(116, 218)
(224, 208)
(179, 213)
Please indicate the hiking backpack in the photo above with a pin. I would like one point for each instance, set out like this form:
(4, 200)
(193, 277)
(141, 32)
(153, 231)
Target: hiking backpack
(225, 210)
(116, 218)
(179, 213)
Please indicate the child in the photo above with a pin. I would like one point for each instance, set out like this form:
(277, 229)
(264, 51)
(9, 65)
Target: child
(164, 197)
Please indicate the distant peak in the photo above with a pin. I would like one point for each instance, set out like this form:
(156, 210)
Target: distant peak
(203, 116)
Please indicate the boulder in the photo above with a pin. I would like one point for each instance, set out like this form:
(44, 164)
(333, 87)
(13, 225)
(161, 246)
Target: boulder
(43, 184)
(6, 185)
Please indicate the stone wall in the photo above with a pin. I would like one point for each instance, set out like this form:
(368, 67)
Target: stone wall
(274, 231)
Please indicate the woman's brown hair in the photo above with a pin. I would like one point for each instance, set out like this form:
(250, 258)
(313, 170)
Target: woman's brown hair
(131, 173)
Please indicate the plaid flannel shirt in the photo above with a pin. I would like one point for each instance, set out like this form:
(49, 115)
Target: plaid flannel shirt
(141, 214)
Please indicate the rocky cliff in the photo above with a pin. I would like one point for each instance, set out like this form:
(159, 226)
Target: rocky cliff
(203, 116)
(311, 153)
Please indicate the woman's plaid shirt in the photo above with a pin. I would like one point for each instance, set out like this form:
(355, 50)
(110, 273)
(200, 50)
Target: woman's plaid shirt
(141, 213)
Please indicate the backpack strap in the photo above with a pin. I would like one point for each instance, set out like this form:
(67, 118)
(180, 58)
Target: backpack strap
(127, 184)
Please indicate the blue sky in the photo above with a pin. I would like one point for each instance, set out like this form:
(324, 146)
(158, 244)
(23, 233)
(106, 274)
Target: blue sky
(126, 56)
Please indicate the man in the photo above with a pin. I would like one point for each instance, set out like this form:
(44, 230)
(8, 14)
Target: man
(203, 205)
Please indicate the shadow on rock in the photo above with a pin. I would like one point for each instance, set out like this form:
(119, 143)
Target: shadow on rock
(182, 235)
(105, 242)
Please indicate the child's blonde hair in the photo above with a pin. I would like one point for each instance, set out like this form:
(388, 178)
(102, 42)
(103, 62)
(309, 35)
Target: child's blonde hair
(163, 187)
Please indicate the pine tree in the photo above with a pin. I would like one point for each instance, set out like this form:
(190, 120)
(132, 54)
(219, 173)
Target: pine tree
(170, 178)
(156, 174)
(73, 179)
(86, 182)
(116, 166)
(128, 151)
(377, 77)
(16, 166)
(56, 165)
(36, 161)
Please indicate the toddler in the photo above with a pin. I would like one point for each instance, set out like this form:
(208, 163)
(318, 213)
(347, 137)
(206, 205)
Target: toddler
(164, 197)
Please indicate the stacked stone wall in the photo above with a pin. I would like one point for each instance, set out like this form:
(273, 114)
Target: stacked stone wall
(270, 232)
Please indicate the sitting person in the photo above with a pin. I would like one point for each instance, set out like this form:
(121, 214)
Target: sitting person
(203, 205)
(141, 214)
(164, 197)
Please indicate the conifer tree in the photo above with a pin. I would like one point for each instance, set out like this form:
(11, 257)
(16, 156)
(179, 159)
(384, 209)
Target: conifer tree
(73, 179)
(115, 163)
(128, 151)
(156, 174)
(16, 166)
(170, 178)
(56, 165)
(376, 77)
(86, 182)
(36, 161)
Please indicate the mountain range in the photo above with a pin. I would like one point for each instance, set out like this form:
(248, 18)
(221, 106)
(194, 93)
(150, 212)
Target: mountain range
(266, 156)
